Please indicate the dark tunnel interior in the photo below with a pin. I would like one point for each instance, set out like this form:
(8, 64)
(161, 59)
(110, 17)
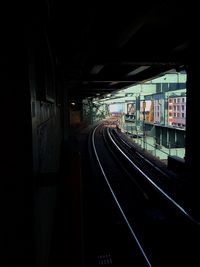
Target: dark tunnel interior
(58, 52)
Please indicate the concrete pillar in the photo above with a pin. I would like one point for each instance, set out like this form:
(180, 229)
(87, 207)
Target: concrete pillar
(192, 121)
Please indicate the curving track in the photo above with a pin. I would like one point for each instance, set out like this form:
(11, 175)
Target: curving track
(135, 222)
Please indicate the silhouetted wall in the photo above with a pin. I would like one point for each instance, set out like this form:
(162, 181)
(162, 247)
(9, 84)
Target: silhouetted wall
(31, 138)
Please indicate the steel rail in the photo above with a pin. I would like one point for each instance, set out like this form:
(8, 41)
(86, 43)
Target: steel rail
(116, 200)
(171, 200)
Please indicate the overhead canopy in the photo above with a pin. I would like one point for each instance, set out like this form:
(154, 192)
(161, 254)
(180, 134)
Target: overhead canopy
(101, 48)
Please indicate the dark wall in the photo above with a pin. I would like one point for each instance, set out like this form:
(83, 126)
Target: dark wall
(16, 150)
(31, 138)
(45, 103)
(46, 137)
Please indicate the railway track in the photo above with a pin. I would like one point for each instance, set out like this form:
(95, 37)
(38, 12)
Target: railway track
(139, 223)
